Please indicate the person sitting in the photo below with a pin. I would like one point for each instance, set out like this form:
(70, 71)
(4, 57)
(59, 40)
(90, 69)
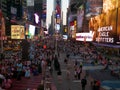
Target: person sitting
(27, 72)
(7, 83)
(2, 77)
(35, 71)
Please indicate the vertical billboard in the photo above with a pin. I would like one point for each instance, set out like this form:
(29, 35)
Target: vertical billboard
(118, 26)
(58, 11)
(31, 30)
(57, 15)
(80, 17)
(93, 7)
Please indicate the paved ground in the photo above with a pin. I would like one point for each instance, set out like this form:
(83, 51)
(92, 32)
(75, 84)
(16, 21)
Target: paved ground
(65, 83)
(27, 84)
(94, 72)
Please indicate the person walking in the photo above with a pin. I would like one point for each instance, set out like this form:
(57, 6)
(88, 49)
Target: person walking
(19, 70)
(83, 83)
(79, 71)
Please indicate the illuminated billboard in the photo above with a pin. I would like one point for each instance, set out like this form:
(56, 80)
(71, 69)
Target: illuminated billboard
(17, 32)
(86, 36)
(93, 7)
(36, 18)
(80, 17)
(31, 30)
(65, 37)
(104, 26)
(57, 27)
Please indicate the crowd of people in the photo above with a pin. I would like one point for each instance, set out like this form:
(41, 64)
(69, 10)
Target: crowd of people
(43, 55)
(89, 54)
(39, 59)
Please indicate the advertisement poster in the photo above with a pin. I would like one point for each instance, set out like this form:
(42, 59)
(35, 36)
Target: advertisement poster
(104, 26)
(17, 32)
(86, 36)
(118, 26)
(93, 7)
(80, 17)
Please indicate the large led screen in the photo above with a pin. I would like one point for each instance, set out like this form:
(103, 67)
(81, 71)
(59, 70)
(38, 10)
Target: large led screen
(104, 26)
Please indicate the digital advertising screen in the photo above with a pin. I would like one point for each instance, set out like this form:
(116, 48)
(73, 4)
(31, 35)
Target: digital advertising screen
(57, 27)
(65, 37)
(105, 27)
(93, 7)
(31, 30)
(17, 32)
(36, 16)
(86, 36)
